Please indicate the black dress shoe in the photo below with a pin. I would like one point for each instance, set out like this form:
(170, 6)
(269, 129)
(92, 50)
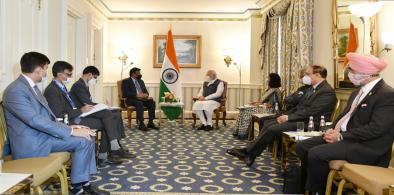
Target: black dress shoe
(242, 137)
(142, 127)
(202, 127)
(152, 126)
(109, 161)
(249, 160)
(93, 190)
(239, 153)
(121, 154)
(208, 128)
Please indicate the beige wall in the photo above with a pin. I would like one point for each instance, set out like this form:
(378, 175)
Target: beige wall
(385, 23)
(322, 38)
(235, 36)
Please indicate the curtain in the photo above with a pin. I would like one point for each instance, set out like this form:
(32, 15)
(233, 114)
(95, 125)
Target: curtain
(296, 38)
(292, 20)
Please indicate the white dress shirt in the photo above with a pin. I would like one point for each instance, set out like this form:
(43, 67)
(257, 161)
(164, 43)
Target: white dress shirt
(31, 82)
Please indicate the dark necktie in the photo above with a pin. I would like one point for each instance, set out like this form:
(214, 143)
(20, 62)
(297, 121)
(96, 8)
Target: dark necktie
(64, 90)
(138, 87)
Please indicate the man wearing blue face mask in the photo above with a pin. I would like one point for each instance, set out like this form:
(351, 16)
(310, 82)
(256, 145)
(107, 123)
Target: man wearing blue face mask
(362, 134)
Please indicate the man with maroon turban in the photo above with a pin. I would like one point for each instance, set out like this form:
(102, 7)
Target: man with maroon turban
(362, 134)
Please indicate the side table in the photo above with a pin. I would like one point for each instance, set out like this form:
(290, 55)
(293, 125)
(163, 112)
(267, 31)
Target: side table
(172, 104)
(15, 183)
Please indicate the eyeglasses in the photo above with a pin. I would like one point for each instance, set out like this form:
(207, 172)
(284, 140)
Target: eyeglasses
(68, 74)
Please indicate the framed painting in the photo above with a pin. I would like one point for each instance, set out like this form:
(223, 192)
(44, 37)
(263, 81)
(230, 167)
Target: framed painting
(343, 38)
(187, 49)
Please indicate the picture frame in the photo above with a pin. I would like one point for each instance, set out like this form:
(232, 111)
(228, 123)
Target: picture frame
(342, 40)
(341, 78)
(187, 49)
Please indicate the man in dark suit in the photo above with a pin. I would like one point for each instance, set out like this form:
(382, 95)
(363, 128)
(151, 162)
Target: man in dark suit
(60, 102)
(34, 132)
(319, 101)
(362, 134)
(81, 96)
(137, 95)
(294, 99)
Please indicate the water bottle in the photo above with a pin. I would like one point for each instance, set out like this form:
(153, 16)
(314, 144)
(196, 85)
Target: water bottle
(65, 119)
(322, 126)
(277, 111)
(311, 124)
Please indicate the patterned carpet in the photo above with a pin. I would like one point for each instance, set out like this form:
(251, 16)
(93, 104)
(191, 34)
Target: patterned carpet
(178, 159)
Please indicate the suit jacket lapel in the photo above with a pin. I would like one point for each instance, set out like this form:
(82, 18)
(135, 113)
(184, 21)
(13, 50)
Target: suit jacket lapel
(33, 93)
(369, 95)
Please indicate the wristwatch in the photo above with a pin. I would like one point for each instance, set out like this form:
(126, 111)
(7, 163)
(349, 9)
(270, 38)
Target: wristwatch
(340, 138)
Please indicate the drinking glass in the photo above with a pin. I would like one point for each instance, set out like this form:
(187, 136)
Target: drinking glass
(300, 126)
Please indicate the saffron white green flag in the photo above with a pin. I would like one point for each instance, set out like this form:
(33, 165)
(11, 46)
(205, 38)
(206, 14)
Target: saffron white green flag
(170, 78)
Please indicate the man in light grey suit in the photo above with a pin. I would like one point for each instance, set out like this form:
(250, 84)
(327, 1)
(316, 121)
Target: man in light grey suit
(33, 130)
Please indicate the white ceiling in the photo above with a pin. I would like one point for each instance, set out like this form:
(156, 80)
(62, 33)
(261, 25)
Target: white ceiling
(178, 6)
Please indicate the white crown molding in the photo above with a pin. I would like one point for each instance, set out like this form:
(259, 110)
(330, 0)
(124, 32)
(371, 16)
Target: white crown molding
(100, 6)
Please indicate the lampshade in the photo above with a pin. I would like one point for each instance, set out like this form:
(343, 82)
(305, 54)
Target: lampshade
(365, 10)
(388, 38)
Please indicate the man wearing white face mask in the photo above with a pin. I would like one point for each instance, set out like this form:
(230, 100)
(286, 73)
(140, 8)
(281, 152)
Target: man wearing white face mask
(362, 134)
(61, 103)
(208, 99)
(81, 95)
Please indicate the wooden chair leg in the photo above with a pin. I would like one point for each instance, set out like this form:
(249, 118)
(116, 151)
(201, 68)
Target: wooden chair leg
(63, 183)
(64, 173)
(340, 186)
(129, 112)
(194, 120)
(330, 179)
(274, 150)
(37, 190)
(217, 119)
(224, 118)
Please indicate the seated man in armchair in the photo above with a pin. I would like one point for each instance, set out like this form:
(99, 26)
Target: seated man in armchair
(208, 100)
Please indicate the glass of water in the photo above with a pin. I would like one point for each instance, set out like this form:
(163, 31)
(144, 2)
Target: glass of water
(300, 126)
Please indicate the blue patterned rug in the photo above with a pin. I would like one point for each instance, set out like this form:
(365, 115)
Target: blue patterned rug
(178, 159)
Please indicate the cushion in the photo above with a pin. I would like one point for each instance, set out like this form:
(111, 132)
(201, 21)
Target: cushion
(41, 168)
(370, 178)
(337, 164)
(64, 156)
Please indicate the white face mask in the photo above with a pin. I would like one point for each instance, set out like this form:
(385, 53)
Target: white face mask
(207, 78)
(92, 82)
(356, 79)
(307, 80)
(69, 80)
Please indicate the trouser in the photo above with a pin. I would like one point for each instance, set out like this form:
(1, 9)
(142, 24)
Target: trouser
(139, 106)
(271, 131)
(315, 155)
(83, 162)
(106, 122)
(208, 115)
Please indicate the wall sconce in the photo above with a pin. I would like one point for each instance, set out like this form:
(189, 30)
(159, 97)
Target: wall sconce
(227, 60)
(388, 41)
(123, 57)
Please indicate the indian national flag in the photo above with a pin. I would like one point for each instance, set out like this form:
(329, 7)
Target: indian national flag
(170, 80)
